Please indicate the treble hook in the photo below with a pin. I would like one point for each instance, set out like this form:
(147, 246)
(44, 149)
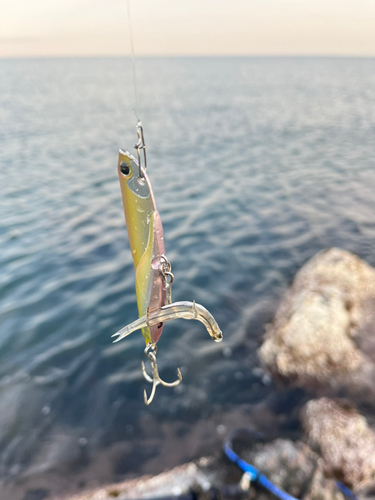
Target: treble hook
(155, 380)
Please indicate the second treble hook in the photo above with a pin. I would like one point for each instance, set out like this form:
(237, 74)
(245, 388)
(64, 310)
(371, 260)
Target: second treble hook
(155, 380)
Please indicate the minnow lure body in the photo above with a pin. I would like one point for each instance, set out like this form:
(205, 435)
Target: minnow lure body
(146, 241)
(153, 277)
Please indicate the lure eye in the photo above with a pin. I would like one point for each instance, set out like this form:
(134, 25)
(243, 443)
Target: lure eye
(124, 169)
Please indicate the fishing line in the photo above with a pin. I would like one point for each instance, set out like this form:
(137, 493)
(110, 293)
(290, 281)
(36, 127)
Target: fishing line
(135, 111)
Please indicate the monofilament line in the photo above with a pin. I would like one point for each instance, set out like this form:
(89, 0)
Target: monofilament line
(133, 61)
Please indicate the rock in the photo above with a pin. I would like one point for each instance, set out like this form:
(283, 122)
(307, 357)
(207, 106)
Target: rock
(288, 465)
(323, 488)
(323, 333)
(345, 441)
(177, 481)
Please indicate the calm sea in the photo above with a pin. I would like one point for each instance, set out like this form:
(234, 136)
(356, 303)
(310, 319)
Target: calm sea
(256, 164)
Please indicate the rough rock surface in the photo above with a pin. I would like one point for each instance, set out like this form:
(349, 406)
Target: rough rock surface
(177, 481)
(288, 465)
(323, 488)
(324, 330)
(345, 441)
(296, 469)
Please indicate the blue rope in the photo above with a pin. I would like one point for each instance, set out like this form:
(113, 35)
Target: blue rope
(249, 469)
(346, 491)
(254, 474)
(257, 477)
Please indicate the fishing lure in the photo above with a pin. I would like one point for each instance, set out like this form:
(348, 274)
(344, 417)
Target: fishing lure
(153, 276)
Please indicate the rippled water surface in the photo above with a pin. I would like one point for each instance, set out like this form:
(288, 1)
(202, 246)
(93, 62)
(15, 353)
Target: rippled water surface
(256, 164)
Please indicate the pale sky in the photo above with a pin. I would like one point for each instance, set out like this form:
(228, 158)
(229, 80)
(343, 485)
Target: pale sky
(187, 27)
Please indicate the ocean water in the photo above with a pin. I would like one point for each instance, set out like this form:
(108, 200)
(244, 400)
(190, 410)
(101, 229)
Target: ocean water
(256, 164)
